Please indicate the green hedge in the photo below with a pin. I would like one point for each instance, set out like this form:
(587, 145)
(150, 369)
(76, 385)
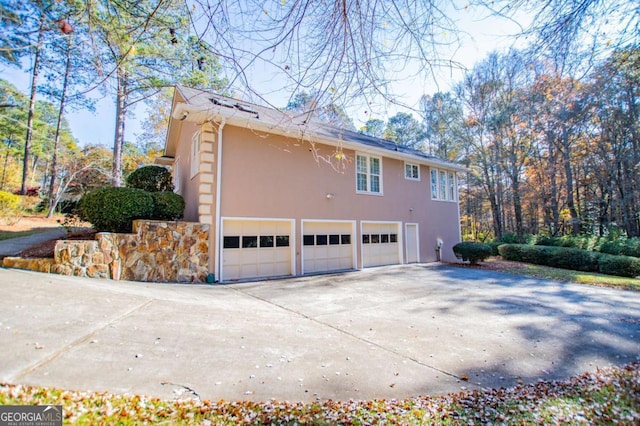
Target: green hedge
(114, 209)
(620, 246)
(167, 205)
(585, 242)
(571, 258)
(494, 247)
(151, 179)
(626, 247)
(472, 251)
(624, 266)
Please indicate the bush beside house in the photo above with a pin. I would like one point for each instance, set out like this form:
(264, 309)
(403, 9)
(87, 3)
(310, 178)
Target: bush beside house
(148, 195)
(571, 258)
(114, 209)
(473, 252)
(167, 205)
(151, 179)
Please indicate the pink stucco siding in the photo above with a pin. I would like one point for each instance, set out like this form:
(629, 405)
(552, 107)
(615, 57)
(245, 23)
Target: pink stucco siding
(270, 176)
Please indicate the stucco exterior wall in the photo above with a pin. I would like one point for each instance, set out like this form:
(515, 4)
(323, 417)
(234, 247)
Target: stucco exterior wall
(185, 184)
(268, 176)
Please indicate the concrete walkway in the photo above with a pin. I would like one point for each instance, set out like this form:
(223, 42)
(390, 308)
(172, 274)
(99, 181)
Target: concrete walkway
(389, 332)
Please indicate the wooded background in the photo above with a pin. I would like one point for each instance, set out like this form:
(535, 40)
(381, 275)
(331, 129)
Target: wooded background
(550, 132)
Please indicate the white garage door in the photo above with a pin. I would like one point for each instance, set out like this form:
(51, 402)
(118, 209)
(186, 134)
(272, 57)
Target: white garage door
(253, 248)
(327, 246)
(380, 244)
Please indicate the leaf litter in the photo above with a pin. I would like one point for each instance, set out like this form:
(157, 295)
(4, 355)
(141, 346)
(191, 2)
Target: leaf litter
(605, 396)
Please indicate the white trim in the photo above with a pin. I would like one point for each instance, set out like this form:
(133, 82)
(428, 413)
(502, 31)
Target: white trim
(176, 176)
(217, 254)
(354, 239)
(292, 238)
(417, 226)
(383, 222)
(417, 166)
(368, 175)
(194, 154)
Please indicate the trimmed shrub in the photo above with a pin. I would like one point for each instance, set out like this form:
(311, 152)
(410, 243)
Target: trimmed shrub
(494, 247)
(167, 205)
(585, 242)
(612, 247)
(114, 209)
(151, 179)
(573, 258)
(472, 251)
(624, 266)
(525, 253)
(626, 247)
(510, 238)
(545, 241)
(558, 257)
(570, 258)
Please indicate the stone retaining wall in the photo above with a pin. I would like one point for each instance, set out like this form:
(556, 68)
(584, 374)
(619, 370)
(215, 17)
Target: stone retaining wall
(80, 258)
(157, 251)
(36, 264)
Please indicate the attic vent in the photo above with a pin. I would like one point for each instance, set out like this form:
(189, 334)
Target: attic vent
(220, 102)
(246, 108)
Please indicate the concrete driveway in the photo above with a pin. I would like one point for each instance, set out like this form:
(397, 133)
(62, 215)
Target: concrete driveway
(387, 332)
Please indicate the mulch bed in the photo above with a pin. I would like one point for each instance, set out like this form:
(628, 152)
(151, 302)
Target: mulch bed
(46, 248)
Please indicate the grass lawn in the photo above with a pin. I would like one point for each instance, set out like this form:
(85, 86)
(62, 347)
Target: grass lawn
(607, 396)
(567, 275)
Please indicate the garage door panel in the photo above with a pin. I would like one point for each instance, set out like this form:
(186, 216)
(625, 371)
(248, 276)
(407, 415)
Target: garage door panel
(254, 248)
(327, 246)
(380, 244)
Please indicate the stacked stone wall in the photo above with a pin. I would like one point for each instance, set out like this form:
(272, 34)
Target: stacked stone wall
(157, 251)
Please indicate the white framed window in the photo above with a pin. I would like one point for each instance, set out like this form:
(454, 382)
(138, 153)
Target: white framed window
(195, 153)
(434, 184)
(368, 174)
(411, 171)
(452, 186)
(444, 186)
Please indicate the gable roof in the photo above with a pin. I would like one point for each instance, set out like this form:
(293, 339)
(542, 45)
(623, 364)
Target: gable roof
(199, 106)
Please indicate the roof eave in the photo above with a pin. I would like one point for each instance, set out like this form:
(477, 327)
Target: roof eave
(191, 113)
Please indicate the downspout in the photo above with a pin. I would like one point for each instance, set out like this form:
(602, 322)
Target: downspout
(218, 221)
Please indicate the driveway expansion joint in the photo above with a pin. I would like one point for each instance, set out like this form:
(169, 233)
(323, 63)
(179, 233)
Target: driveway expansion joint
(351, 335)
(77, 342)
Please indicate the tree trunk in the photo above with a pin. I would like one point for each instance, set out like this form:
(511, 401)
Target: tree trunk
(32, 108)
(517, 207)
(53, 198)
(121, 109)
(627, 204)
(575, 219)
(496, 215)
(6, 160)
(553, 192)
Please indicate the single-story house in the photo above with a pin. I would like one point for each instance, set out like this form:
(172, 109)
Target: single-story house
(286, 195)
